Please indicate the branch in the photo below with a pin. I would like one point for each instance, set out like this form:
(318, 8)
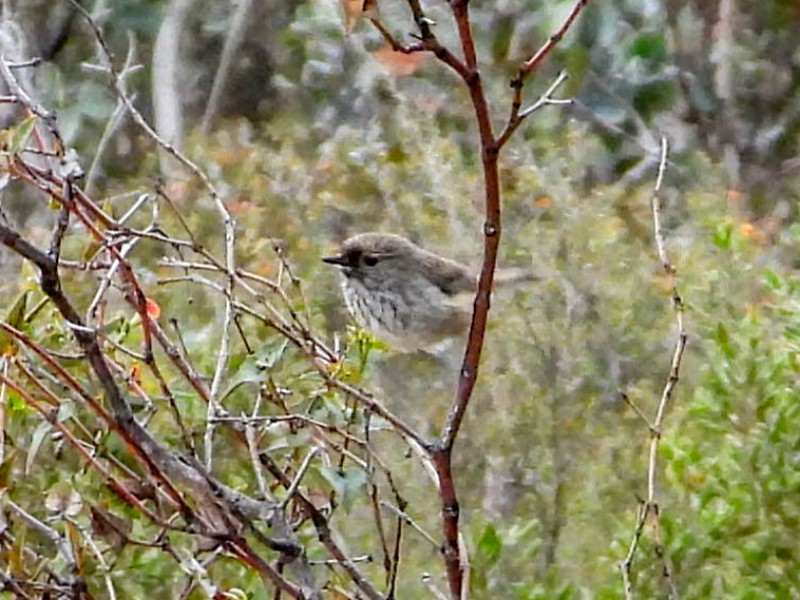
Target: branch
(233, 40)
(515, 117)
(650, 508)
(529, 65)
(428, 42)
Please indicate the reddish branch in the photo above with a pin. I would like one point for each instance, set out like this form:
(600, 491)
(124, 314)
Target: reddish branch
(469, 72)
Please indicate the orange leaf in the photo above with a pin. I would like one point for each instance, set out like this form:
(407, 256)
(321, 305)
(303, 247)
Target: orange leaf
(748, 230)
(398, 63)
(153, 309)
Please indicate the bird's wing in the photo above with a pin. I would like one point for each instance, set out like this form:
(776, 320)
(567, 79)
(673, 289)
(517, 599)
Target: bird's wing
(448, 275)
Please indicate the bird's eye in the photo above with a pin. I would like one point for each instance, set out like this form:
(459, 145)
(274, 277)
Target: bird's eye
(353, 258)
(370, 261)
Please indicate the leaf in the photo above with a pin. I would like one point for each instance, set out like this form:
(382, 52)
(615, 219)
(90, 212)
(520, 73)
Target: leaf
(724, 341)
(16, 404)
(75, 540)
(7, 470)
(772, 279)
(152, 308)
(346, 483)
(254, 367)
(21, 133)
(63, 499)
(36, 441)
(90, 250)
(15, 316)
(722, 236)
(398, 63)
(650, 46)
(490, 544)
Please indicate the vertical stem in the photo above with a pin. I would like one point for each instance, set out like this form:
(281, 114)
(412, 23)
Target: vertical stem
(442, 452)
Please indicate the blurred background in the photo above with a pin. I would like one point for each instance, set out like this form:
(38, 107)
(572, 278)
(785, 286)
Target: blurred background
(314, 130)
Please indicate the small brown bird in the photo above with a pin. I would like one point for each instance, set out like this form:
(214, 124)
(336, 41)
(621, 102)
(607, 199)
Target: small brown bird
(404, 295)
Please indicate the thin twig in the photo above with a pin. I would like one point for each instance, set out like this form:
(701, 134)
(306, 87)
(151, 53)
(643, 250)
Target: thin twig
(650, 508)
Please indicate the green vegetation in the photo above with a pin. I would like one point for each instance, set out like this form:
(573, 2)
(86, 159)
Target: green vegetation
(551, 465)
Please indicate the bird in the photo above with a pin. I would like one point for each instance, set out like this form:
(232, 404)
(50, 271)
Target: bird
(404, 295)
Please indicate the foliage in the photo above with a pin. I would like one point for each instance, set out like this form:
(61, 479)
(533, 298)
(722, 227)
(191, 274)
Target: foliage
(551, 463)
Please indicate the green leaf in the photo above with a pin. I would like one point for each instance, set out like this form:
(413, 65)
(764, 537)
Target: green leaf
(15, 316)
(724, 341)
(345, 482)
(655, 96)
(16, 404)
(773, 280)
(37, 438)
(723, 235)
(21, 133)
(253, 368)
(490, 544)
(650, 47)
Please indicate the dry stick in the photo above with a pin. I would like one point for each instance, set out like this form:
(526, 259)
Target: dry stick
(114, 121)
(61, 543)
(214, 406)
(159, 461)
(103, 567)
(21, 96)
(650, 507)
(227, 220)
(395, 564)
(403, 516)
(295, 484)
(374, 499)
(252, 446)
(113, 484)
(516, 118)
(323, 530)
(233, 40)
(3, 403)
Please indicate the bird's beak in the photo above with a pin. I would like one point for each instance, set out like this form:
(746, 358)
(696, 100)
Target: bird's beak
(335, 260)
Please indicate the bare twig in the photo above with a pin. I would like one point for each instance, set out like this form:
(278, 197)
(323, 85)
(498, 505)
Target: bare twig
(290, 491)
(233, 40)
(517, 116)
(650, 509)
